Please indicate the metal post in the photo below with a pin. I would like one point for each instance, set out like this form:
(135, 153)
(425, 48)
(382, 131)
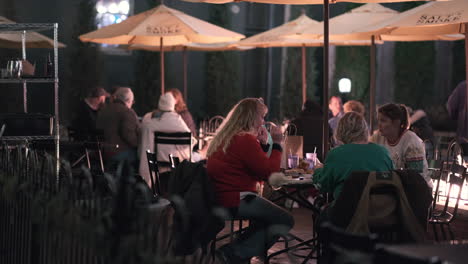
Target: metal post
(25, 87)
(466, 66)
(326, 43)
(162, 64)
(372, 67)
(304, 75)
(184, 54)
(270, 60)
(56, 103)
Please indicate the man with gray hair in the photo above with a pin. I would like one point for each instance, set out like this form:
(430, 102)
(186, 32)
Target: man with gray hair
(120, 125)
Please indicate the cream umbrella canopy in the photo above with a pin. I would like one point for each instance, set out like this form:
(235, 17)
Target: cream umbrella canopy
(32, 39)
(275, 38)
(431, 18)
(222, 46)
(326, 15)
(344, 27)
(161, 26)
(299, 2)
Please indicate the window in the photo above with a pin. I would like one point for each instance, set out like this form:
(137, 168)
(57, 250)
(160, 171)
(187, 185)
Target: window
(110, 12)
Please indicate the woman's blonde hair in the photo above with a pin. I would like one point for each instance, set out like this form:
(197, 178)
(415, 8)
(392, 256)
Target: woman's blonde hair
(180, 103)
(352, 128)
(240, 119)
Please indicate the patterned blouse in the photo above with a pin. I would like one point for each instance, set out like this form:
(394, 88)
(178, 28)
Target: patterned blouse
(407, 153)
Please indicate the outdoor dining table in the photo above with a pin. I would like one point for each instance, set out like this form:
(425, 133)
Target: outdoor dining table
(295, 188)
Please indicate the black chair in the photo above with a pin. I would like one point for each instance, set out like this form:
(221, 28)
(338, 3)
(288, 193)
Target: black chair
(430, 149)
(174, 161)
(444, 217)
(388, 256)
(384, 213)
(153, 172)
(340, 247)
(435, 168)
(174, 139)
(454, 153)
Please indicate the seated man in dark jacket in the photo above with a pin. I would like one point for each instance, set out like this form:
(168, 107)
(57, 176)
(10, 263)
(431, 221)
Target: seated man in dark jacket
(84, 123)
(309, 124)
(120, 125)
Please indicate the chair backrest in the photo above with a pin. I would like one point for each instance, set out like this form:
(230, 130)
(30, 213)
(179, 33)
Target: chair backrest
(456, 178)
(339, 246)
(431, 151)
(435, 168)
(154, 172)
(172, 139)
(213, 125)
(383, 204)
(454, 152)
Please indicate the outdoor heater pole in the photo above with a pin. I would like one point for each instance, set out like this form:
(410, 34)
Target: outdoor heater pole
(372, 84)
(162, 64)
(304, 77)
(326, 43)
(184, 54)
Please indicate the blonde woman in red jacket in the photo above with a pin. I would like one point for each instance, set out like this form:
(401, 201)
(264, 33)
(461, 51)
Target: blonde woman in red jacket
(236, 162)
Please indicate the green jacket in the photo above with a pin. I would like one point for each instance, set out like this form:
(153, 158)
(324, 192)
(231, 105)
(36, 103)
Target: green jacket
(343, 160)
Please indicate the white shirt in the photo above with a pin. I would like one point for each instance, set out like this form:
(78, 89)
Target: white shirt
(169, 122)
(407, 153)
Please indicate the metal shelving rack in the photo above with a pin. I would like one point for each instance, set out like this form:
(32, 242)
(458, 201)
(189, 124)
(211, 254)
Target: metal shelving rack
(22, 28)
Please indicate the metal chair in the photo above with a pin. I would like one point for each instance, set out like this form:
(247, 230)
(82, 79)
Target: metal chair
(431, 151)
(174, 139)
(154, 172)
(454, 153)
(435, 172)
(340, 247)
(444, 217)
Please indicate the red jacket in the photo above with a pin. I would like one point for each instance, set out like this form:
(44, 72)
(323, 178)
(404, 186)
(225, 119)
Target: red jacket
(240, 168)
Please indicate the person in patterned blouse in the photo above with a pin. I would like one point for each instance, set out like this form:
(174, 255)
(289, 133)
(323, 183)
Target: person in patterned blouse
(405, 147)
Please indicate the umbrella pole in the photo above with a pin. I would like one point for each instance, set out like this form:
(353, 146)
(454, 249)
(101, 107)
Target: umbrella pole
(304, 79)
(372, 67)
(466, 65)
(184, 54)
(162, 64)
(326, 43)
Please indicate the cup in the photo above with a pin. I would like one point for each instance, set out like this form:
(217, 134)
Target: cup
(293, 161)
(311, 159)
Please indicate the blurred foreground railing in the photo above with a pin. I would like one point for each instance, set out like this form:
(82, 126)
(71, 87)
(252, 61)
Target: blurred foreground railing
(83, 218)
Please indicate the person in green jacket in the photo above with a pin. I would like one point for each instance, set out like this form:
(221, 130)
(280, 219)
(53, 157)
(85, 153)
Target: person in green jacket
(356, 154)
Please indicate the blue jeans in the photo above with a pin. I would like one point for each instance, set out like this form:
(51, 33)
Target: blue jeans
(268, 223)
(128, 155)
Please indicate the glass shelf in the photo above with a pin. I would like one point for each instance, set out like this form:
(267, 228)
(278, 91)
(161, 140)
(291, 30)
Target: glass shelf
(29, 80)
(26, 138)
(26, 27)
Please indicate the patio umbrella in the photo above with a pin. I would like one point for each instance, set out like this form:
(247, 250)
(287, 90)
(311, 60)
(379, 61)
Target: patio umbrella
(275, 38)
(344, 27)
(161, 26)
(326, 15)
(431, 18)
(32, 39)
(222, 46)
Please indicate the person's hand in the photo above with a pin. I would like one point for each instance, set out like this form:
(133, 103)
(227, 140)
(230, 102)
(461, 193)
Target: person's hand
(276, 135)
(262, 135)
(318, 164)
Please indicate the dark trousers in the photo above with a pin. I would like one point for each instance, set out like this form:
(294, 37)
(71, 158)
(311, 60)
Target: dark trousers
(268, 223)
